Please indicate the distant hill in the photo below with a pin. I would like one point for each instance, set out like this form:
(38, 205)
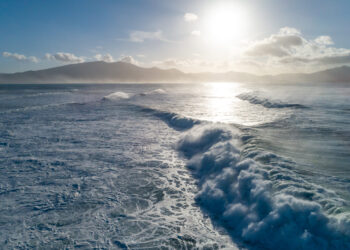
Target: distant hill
(334, 75)
(95, 72)
(121, 72)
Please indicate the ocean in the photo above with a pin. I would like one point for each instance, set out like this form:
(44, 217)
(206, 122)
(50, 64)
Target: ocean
(175, 166)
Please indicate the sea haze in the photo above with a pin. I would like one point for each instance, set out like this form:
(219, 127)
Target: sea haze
(144, 166)
(124, 72)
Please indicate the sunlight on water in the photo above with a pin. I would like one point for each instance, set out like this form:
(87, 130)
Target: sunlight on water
(221, 102)
(222, 105)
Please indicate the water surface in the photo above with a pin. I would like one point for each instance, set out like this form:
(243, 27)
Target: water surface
(219, 165)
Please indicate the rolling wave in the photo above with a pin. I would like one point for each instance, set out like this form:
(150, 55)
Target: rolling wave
(262, 206)
(173, 120)
(253, 98)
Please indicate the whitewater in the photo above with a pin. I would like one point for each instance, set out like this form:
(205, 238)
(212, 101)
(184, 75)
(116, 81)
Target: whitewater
(175, 166)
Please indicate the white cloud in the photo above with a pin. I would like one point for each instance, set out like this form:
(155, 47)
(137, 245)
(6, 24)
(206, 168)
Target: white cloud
(33, 59)
(196, 33)
(16, 56)
(141, 36)
(20, 57)
(128, 59)
(65, 57)
(324, 40)
(278, 45)
(289, 31)
(107, 57)
(289, 50)
(190, 17)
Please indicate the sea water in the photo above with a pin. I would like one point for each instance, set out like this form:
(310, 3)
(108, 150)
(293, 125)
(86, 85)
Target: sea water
(175, 166)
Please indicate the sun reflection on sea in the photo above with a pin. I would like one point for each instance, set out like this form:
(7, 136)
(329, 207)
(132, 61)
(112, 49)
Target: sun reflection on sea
(221, 104)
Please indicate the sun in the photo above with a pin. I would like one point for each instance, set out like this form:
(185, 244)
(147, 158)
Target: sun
(226, 24)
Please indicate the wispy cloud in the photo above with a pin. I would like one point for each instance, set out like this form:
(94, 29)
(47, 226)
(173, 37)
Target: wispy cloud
(107, 57)
(190, 17)
(196, 33)
(141, 36)
(20, 57)
(65, 57)
(188, 64)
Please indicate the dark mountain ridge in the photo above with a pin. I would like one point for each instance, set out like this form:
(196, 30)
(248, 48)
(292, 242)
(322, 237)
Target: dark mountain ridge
(121, 72)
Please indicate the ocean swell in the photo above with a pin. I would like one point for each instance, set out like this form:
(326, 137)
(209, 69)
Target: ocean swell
(261, 207)
(173, 120)
(254, 98)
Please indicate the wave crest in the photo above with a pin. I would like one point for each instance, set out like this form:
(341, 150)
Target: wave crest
(253, 98)
(116, 96)
(122, 95)
(173, 120)
(156, 91)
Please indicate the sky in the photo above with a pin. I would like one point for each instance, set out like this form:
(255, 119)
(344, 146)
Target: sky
(255, 36)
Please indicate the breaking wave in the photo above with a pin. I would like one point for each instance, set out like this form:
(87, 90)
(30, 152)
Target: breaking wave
(253, 98)
(122, 95)
(116, 96)
(256, 195)
(173, 120)
(156, 91)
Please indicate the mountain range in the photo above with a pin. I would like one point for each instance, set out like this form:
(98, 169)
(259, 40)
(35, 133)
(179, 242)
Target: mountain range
(121, 72)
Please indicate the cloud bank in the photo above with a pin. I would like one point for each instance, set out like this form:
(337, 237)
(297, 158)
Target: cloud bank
(291, 50)
(286, 51)
(277, 45)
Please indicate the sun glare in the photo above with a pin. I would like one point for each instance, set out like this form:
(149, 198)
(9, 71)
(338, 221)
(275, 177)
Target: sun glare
(226, 24)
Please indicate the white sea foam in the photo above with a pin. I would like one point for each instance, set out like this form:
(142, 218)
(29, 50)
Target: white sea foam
(116, 96)
(122, 95)
(239, 193)
(156, 91)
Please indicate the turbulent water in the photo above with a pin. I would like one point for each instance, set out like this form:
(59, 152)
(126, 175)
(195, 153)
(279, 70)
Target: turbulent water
(176, 166)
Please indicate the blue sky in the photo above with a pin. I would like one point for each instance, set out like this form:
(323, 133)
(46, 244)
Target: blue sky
(267, 36)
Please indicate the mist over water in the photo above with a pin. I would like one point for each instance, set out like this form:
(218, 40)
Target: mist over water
(220, 165)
